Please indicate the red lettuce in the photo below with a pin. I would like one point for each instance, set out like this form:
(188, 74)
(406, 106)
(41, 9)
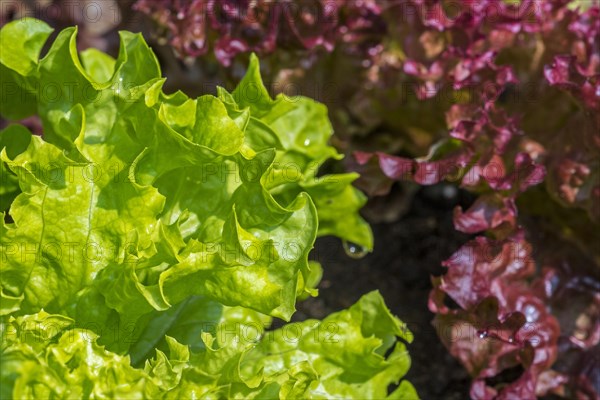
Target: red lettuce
(508, 312)
(230, 27)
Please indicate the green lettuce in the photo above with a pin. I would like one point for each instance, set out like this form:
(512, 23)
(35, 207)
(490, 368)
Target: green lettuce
(144, 224)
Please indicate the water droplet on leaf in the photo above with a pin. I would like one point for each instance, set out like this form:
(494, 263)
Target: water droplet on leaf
(354, 250)
(483, 334)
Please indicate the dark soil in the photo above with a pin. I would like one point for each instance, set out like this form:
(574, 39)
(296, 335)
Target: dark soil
(407, 252)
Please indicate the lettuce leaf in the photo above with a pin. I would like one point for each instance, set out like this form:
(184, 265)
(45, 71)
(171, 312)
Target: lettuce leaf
(343, 356)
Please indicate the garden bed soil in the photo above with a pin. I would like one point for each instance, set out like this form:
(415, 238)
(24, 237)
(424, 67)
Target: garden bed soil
(407, 252)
